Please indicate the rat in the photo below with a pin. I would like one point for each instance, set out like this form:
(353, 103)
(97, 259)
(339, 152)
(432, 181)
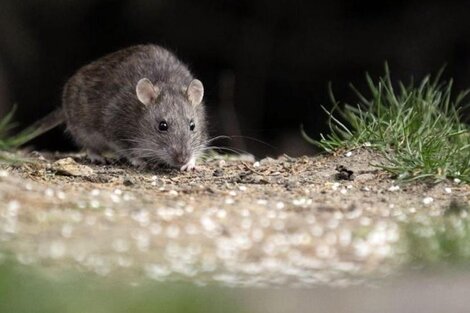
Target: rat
(140, 103)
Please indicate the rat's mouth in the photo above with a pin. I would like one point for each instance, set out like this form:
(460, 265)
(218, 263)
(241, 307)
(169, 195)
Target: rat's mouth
(183, 160)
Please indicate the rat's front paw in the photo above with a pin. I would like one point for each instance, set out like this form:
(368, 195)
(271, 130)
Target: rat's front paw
(138, 163)
(96, 158)
(191, 165)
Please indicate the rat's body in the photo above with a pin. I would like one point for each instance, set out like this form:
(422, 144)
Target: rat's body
(141, 103)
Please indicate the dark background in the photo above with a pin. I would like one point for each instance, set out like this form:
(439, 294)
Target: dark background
(265, 64)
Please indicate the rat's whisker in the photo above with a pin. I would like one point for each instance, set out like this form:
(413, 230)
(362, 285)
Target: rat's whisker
(236, 151)
(208, 141)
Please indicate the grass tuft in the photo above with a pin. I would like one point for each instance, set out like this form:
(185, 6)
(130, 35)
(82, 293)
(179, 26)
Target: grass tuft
(417, 127)
(7, 141)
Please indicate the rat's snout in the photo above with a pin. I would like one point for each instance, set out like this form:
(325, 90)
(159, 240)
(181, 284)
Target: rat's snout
(181, 158)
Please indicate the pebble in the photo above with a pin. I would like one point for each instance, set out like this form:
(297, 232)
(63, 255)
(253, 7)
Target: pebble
(69, 167)
(173, 193)
(428, 200)
(49, 192)
(128, 181)
(218, 172)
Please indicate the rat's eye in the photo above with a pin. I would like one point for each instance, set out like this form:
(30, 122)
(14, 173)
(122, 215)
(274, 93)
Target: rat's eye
(192, 126)
(163, 126)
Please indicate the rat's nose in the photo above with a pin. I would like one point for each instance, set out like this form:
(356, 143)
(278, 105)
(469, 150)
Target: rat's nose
(180, 158)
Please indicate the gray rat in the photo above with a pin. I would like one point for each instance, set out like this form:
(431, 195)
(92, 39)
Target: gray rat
(141, 103)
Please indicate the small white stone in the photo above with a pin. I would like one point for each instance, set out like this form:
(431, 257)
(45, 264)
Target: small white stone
(3, 173)
(457, 180)
(13, 207)
(173, 193)
(118, 192)
(348, 154)
(448, 190)
(61, 195)
(394, 188)
(242, 188)
(298, 202)
(262, 201)
(95, 192)
(362, 249)
(280, 205)
(154, 177)
(256, 164)
(343, 191)
(229, 201)
(221, 214)
(49, 192)
(208, 223)
(115, 198)
(428, 200)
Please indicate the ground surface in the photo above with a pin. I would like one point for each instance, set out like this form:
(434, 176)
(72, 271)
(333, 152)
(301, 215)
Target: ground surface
(289, 221)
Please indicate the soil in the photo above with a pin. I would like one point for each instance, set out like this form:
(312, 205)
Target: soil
(289, 221)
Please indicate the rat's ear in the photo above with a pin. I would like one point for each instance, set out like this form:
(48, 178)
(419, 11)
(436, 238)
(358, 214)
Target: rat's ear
(146, 91)
(195, 92)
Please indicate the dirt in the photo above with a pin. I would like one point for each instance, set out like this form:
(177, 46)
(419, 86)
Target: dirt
(289, 221)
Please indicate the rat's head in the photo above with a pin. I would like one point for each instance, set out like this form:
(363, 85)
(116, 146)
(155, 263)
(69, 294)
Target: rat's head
(173, 126)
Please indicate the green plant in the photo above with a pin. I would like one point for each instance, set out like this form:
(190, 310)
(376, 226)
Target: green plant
(8, 141)
(434, 240)
(417, 127)
(33, 289)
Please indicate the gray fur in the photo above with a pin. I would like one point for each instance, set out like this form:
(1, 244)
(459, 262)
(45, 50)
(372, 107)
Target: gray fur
(103, 113)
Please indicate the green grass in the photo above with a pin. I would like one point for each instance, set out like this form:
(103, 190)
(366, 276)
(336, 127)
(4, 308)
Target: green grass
(27, 289)
(438, 240)
(8, 141)
(417, 127)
